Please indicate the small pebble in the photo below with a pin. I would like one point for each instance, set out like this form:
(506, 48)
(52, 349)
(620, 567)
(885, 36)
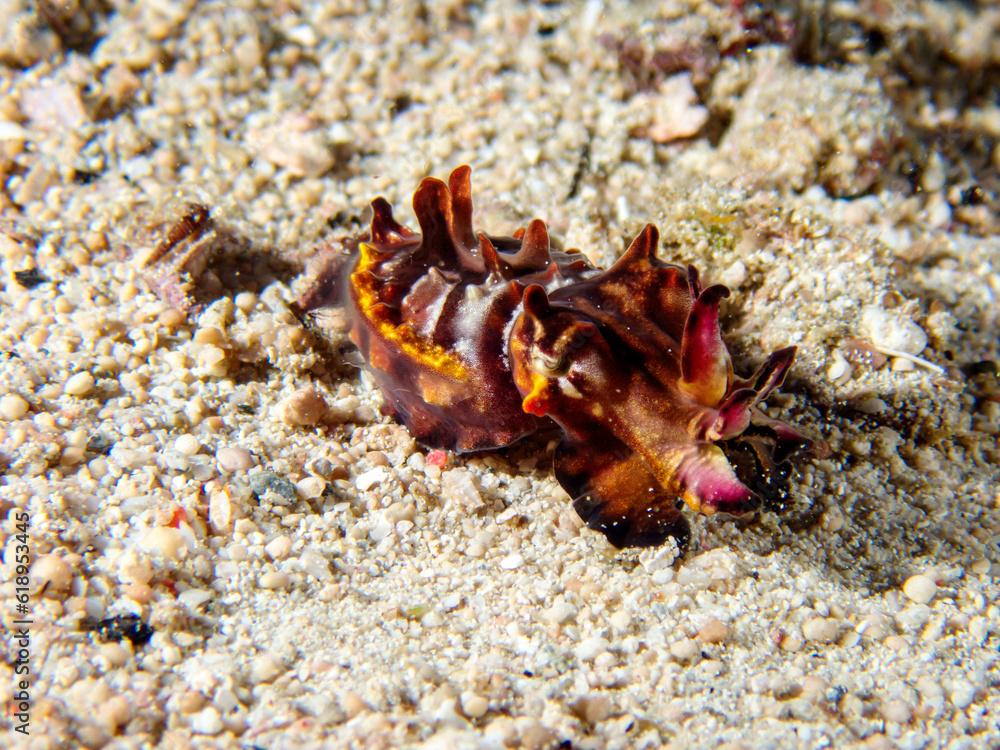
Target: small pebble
(274, 579)
(437, 458)
(165, 541)
(330, 593)
(212, 360)
(981, 566)
(79, 385)
(892, 329)
(590, 648)
(233, 459)
(187, 445)
(621, 620)
(72, 455)
(296, 144)
(734, 275)
(274, 487)
(207, 721)
(368, 479)
(875, 626)
(171, 318)
(170, 655)
(713, 631)
(979, 629)
(190, 701)
(141, 593)
(878, 742)
(311, 487)
(353, 704)
(278, 548)
(962, 694)
(194, 598)
(813, 687)
(934, 175)
(13, 407)
(220, 511)
(133, 568)
(873, 405)
(920, 588)
(897, 710)
(534, 736)
(116, 654)
(326, 469)
(850, 639)
(380, 529)
(675, 110)
(209, 334)
(900, 364)
(512, 562)
(377, 458)
(839, 368)
(559, 612)
(265, 668)
(593, 709)
(895, 643)
(711, 667)
(473, 705)
(304, 408)
(685, 649)
(246, 301)
(913, 617)
(820, 629)
(113, 712)
(52, 573)
(458, 488)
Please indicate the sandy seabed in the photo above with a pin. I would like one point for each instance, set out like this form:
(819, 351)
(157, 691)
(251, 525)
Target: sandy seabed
(230, 547)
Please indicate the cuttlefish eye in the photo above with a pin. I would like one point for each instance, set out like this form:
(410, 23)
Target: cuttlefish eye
(549, 365)
(555, 360)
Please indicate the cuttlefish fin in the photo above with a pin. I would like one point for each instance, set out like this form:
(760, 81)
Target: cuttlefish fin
(385, 230)
(709, 484)
(706, 371)
(737, 409)
(787, 440)
(614, 493)
(460, 226)
(771, 373)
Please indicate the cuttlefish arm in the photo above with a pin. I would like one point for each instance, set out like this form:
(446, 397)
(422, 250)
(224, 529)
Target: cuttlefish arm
(614, 492)
(638, 443)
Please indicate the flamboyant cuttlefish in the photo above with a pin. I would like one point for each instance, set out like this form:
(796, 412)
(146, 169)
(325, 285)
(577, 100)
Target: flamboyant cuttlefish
(478, 340)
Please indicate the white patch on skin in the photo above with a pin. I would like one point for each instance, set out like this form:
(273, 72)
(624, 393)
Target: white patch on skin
(433, 312)
(470, 318)
(508, 327)
(560, 281)
(569, 389)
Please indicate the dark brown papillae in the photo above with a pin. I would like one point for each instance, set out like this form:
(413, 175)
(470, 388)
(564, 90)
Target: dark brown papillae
(478, 340)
